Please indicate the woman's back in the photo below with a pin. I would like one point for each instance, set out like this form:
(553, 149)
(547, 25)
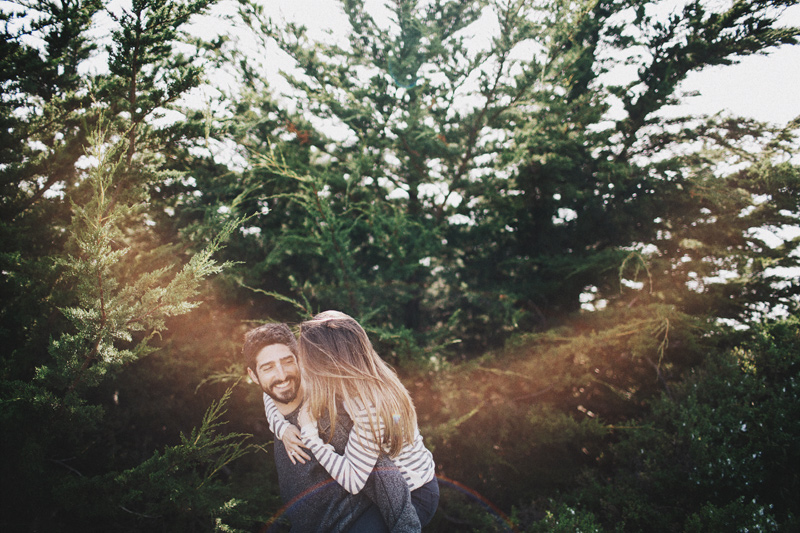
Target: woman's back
(340, 364)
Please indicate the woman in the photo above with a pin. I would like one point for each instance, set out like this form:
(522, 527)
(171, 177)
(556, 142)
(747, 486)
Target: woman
(340, 369)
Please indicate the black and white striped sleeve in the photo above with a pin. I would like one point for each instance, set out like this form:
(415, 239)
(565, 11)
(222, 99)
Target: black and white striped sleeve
(277, 423)
(352, 469)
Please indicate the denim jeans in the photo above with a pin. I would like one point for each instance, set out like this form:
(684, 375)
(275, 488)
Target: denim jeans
(425, 500)
(370, 521)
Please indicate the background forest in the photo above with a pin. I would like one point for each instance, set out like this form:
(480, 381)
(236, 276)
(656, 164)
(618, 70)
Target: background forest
(593, 303)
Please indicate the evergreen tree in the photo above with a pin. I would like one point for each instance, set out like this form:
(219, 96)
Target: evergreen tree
(44, 118)
(586, 193)
(492, 186)
(88, 283)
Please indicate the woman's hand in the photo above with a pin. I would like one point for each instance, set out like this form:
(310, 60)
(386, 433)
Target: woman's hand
(294, 445)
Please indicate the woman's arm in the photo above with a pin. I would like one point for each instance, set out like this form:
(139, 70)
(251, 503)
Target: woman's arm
(277, 423)
(285, 431)
(352, 469)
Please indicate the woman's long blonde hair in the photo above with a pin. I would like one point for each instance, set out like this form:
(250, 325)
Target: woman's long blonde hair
(339, 364)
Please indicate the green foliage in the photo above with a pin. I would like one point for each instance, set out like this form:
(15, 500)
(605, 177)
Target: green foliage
(721, 441)
(454, 195)
(462, 510)
(677, 450)
(44, 128)
(565, 519)
(88, 286)
(180, 488)
(471, 190)
(114, 301)
(739, 516)
(537, 419)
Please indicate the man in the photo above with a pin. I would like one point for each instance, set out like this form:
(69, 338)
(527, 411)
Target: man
(314, 501)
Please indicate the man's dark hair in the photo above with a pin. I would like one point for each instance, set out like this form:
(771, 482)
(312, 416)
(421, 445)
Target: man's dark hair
(258, 338)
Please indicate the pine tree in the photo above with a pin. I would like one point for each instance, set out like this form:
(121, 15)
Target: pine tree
(586, 194)
(89, 284)
(483, 189)
(44, 131)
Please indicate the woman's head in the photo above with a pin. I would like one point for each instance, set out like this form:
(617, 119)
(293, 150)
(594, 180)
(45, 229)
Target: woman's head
(340, 364)
(334, 344)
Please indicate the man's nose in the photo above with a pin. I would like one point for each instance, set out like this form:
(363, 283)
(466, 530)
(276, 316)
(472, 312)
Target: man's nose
(281, 374)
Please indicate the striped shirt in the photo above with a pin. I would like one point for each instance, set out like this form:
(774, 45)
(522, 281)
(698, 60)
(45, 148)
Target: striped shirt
(277, 423)
(352, 469)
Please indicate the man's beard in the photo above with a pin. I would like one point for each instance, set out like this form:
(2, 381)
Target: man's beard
(285, 395)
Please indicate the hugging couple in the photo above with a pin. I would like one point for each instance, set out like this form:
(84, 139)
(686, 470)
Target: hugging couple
(348, 451)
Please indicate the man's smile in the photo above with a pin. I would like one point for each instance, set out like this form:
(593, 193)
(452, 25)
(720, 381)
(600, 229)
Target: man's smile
(283, 386)
(284, 391)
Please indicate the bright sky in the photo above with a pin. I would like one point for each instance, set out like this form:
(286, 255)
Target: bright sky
(760, 87)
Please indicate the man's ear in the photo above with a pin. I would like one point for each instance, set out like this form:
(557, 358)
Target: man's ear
(252, 375)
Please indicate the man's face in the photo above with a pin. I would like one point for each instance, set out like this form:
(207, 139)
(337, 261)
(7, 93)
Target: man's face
(277, 372)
